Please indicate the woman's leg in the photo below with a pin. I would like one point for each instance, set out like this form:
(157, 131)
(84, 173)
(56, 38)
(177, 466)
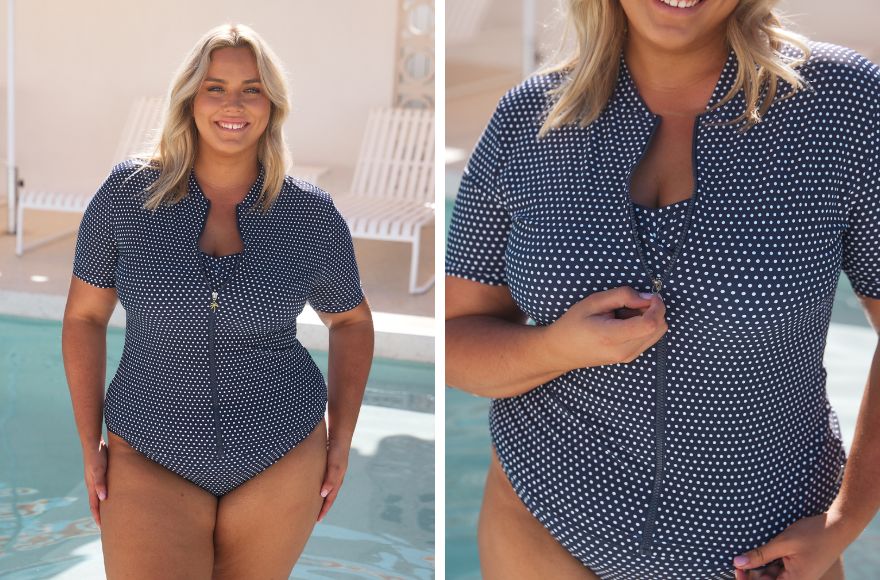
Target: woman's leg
(154, 523)
(513, 543)
(263, 525)
(835, 572)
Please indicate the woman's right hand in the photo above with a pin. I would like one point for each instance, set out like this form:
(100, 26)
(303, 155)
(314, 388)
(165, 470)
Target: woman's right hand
(607, 327)
(95, 461)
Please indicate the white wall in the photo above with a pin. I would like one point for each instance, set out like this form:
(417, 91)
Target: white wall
(80, 64)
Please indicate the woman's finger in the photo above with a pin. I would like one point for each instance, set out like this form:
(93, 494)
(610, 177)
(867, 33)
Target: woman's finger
(328, 502)
(101, 485)
(620, 297)
(93, 504)
(332, 478)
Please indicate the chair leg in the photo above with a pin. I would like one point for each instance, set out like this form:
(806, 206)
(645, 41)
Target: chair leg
(19, 229)
(414, 288)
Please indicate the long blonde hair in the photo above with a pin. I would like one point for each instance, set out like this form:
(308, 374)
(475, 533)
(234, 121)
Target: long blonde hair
(754, 32)
(174, 151)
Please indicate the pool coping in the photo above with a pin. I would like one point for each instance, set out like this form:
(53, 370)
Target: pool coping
(398, 336)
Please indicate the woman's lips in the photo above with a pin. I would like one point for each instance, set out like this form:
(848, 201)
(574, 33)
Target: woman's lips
(679, 5)
(232, 126)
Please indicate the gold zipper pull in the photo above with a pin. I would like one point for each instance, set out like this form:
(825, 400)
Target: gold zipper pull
(214, 305)
(658, 285)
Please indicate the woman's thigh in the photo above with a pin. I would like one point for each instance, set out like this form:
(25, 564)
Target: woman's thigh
(154, 523)
(835, 572)
(513, 543)
(263, 525)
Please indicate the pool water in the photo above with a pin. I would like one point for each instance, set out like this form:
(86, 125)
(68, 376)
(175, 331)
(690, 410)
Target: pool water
(847, 358)
(381, 526)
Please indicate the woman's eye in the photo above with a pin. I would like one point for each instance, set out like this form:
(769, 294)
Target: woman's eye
(253, 91)
(214, 89)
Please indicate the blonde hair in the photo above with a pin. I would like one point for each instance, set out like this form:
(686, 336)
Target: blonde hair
(174, 151)
(754, 32)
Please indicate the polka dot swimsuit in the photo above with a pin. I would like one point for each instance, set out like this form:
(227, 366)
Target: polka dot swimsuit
(219, 268)
(659, 230)
(218, 394)
(669, 466)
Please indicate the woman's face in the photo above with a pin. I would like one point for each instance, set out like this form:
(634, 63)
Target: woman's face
(677, 29)
(231, 110)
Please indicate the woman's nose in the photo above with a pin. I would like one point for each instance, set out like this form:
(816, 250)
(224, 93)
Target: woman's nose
(233, 101)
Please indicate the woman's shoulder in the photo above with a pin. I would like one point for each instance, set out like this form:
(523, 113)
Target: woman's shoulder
(522, 108)
(126, 183)
(133, 174)
(300, 191)
(831, 67)
(532, 94)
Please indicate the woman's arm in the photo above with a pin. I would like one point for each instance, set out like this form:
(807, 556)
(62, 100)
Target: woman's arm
(491, 352)
(84, 350)
(811, 545)
(351, 354)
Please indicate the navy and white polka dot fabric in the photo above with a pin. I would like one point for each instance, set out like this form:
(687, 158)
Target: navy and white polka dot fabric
(751, 442)
(268, 391)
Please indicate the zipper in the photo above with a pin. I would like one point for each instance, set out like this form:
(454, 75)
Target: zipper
(212, 374)
(213, 305)
(650, 524)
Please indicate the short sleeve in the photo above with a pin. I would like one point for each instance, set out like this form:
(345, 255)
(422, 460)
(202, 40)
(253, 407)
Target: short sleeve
(95, 256)
(861, 241)
(337, 287)
(478, 230)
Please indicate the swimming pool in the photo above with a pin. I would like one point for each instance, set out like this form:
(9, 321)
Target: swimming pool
(381, 526)
(467, 442)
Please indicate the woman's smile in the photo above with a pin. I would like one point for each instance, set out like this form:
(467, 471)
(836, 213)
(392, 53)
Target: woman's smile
(678, 5)
(231, 126)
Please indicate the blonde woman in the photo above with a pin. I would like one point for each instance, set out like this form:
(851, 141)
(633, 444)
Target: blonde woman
(218, 460)
(672, 206)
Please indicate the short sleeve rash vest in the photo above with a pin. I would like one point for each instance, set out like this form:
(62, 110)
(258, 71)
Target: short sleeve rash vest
(202, 389)
(750, 441)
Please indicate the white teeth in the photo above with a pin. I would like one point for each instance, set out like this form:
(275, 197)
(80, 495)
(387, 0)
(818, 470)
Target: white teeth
(234, 126)
(681, 3)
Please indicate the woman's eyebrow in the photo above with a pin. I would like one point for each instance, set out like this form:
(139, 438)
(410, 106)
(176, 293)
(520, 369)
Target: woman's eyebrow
(216, 80)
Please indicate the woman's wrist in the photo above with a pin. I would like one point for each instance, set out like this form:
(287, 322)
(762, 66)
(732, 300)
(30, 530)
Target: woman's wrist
(339, 437)
(91, 444)
(552, 355)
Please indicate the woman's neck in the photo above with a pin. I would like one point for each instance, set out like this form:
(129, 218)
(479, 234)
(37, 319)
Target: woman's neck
(677, 82)
(226, 179)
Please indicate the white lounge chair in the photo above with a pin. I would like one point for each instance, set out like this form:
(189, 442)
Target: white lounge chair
(392, 193)
(145, 116)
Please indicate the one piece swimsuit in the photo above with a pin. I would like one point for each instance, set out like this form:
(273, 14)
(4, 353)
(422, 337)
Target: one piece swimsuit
(719, 436)
(213, 383)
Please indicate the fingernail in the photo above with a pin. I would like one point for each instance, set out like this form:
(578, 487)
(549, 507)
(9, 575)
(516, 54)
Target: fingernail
(740, 560)
(325, 492)
(102, 496)
(645, 295)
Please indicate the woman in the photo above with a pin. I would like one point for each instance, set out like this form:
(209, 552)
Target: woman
(218, 460)
(672, 207)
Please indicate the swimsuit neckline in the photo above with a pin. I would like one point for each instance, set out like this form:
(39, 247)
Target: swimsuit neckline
(671, 206)
(207, 255)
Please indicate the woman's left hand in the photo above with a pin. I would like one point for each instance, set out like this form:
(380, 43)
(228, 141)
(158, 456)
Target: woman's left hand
(807, 549)
(337, 463)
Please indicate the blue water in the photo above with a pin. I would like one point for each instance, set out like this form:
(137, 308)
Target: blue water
(467, 460)
(381, 526)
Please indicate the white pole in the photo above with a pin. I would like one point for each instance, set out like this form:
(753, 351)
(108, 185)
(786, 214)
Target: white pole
(11, 185)
(528, 34)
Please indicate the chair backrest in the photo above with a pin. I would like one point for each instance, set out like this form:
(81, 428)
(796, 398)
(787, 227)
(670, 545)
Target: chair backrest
(397, 155)
(144, 117)
(464, 19)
